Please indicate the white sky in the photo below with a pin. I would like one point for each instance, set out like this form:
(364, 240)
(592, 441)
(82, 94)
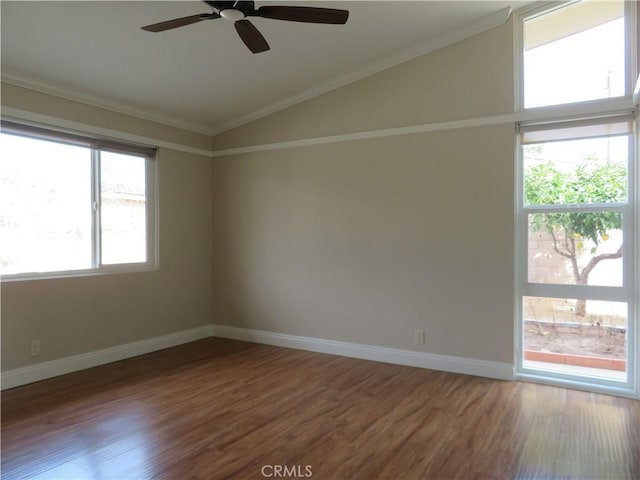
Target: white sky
(584, 66)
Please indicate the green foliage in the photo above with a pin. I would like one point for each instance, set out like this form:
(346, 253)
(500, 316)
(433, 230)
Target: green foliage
(592, 182)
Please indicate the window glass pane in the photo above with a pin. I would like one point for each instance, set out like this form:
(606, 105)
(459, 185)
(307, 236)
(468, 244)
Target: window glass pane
(576, 336)
(123, 214)
(578, 248)
(585, 171)
(45, 206)
(574, 53)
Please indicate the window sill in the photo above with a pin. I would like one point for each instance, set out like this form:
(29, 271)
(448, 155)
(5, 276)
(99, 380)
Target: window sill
(106, 270)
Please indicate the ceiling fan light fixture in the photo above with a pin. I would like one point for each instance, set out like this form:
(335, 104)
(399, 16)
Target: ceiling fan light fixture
(231, 14)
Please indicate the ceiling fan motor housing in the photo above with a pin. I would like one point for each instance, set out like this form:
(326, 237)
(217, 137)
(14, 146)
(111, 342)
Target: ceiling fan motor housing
(231, 14)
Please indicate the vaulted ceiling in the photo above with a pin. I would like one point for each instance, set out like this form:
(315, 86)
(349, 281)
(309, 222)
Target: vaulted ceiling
(201, 76)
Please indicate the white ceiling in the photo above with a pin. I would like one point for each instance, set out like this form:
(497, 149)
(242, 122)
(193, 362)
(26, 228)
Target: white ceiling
(202, 76)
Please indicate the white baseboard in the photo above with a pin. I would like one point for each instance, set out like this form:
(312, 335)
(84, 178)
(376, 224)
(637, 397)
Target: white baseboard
(468, 366)
(54, 368)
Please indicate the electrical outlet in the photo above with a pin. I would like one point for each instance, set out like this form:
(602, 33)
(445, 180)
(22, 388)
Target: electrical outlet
(35, 347)
(418, 337)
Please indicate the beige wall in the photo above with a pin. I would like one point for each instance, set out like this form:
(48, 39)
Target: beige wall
(365, 241)
(83, 314)
(469, 79)
(361, 241)
(32, 101)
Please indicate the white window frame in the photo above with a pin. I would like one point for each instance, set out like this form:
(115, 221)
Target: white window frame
(568, 109)
(624, 293)
(96, 146)
(600, 108)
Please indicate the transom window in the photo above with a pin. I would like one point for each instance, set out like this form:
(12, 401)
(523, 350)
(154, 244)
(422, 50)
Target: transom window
(575, 53)
(73, 205)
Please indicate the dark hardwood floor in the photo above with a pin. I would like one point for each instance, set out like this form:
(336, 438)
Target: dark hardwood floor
(218, 409)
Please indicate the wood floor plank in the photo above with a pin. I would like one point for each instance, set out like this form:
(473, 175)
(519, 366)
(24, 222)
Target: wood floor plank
(217, 409)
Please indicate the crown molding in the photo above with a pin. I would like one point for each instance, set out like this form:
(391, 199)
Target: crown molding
(485, 23)
(369, 134)
(39, 119)
(52, 88)
(94, 100)
(601, 108)
(605, 107)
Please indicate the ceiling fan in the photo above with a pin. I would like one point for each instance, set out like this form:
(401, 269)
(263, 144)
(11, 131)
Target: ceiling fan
(238, 11)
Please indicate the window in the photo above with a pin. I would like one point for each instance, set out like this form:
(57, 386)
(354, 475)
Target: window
(575, 215)
(73, 205)
(575, 53)
(576, 196)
